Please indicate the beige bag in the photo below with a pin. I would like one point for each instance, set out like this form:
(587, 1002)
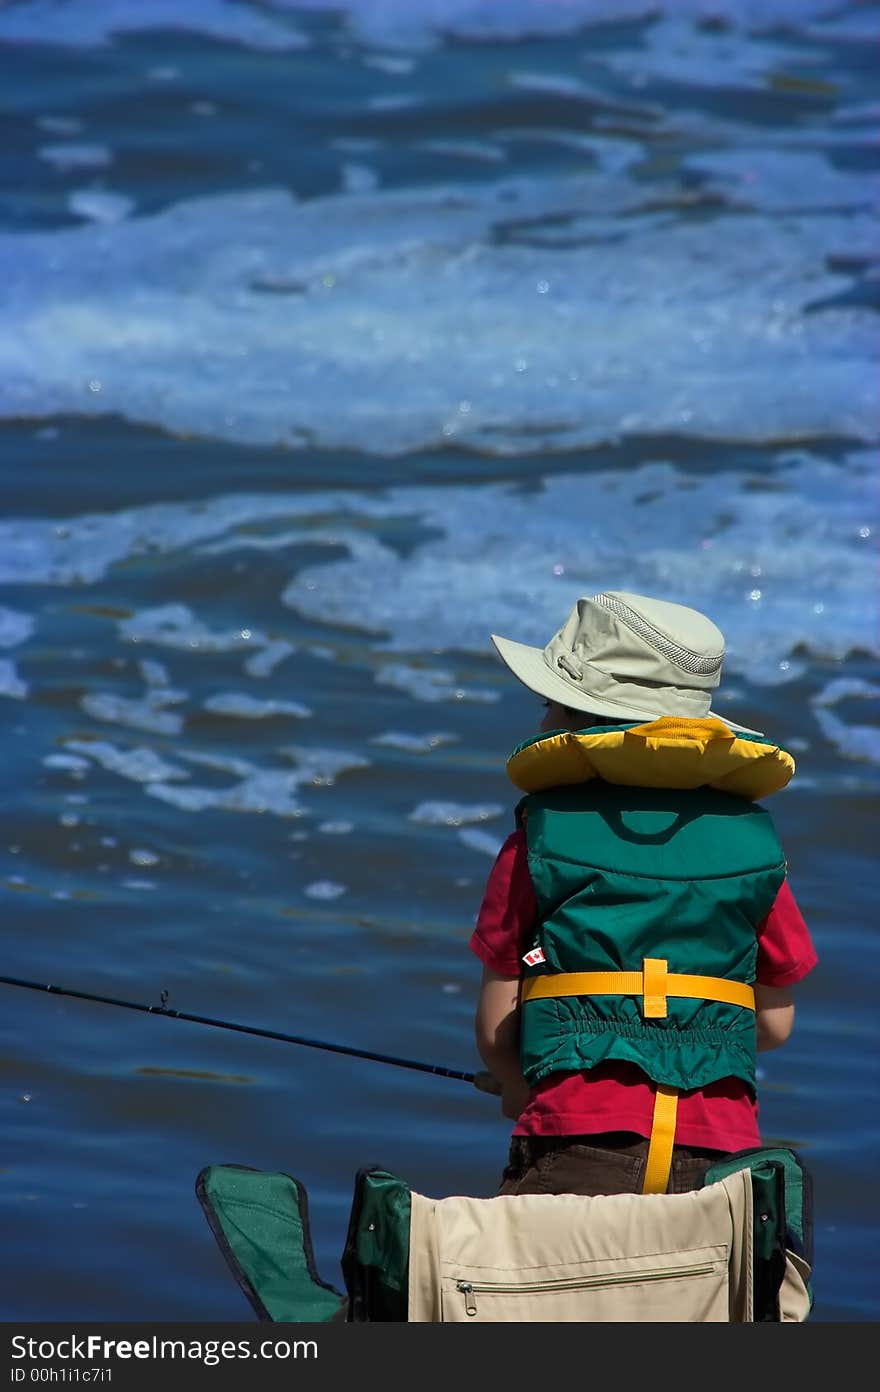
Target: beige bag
(564, 1257)
(794, 1293)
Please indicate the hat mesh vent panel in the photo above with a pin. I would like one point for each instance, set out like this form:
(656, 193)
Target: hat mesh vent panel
(689, 661)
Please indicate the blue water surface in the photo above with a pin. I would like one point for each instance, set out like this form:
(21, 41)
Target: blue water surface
(335, 338)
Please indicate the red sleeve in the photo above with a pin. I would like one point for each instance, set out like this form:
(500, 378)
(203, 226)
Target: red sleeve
(785, 949)
(508, 911)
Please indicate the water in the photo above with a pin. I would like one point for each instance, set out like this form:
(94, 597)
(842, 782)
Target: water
(335, 339)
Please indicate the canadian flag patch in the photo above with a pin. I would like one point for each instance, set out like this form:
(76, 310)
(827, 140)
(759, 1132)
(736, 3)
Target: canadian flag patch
(533, 958)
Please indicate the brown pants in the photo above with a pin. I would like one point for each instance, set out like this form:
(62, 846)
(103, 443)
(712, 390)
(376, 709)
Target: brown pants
(611, 1162)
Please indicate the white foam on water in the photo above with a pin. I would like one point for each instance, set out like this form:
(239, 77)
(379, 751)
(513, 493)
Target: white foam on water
(324, 889)
(358, 178)
(140, 765)
(141, 856)
(15, 627)
(11, 684)
(258, 789)
(400, 320)
(674, 50)
(338, 828)
(853, 741)
(454, 814)
(222, 763)
(82, 551)
(397, 27)
(414, 744)
(143, 713)
(784, 558)
(245, 707)
(784, 181)
(263, 664)
(65, 761)
(85, 23)
(394, 101)
(481, 841)
(849, 137)
(72, 156)
(100, 205)
(274, 541)
(321, 767)
(430, 683)
(403, 25)
(175, 626)
(193, 799)
(463, 149)
(574, 89)
(59, 125)
(390, 63)
(842, 688)
(147, 712)
(859, 113)
(154, 673)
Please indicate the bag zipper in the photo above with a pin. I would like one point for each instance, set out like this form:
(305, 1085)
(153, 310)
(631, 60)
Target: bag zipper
(469, 1289)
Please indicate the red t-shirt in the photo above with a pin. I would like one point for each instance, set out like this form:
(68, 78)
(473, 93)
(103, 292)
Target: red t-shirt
(617, 1096)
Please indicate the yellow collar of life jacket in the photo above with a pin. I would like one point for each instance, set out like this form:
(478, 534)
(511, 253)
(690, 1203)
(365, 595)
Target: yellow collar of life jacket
(671, 752)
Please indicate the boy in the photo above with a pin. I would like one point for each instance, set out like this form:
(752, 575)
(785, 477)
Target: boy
(638, 936)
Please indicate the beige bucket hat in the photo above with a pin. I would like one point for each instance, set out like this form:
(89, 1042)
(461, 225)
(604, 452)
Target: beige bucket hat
(626, 656)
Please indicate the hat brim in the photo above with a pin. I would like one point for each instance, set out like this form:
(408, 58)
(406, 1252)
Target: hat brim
(529, 667)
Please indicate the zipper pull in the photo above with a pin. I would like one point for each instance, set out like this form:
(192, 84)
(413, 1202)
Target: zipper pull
(467, 1290)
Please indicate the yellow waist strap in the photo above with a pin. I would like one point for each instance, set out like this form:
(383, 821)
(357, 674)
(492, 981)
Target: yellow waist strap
(659, 1162)
(653, 983)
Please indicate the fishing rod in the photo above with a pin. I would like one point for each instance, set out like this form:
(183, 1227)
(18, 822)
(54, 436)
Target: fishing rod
(483, 1081)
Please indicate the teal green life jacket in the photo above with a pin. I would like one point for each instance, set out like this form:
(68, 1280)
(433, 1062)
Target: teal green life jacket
(651, 878)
